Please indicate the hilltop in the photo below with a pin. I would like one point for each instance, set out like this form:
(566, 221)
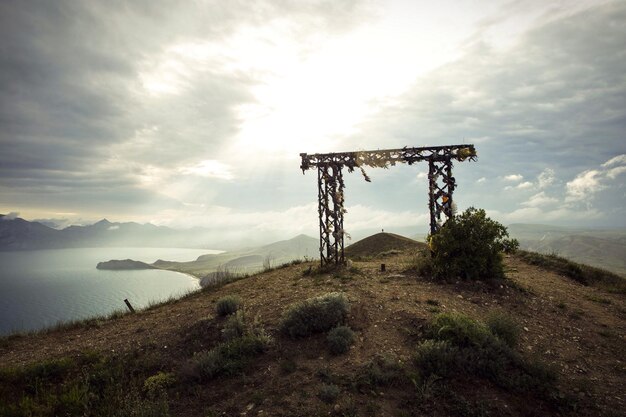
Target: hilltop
(381, 243)
(144, 360)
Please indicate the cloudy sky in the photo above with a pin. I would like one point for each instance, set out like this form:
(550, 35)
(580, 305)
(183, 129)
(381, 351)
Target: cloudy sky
(194, 113)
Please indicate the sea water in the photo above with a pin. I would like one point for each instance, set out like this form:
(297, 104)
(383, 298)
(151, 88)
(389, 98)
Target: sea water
(44, 287)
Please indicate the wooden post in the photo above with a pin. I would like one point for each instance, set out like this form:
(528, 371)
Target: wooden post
(130, 307)
(382, 267)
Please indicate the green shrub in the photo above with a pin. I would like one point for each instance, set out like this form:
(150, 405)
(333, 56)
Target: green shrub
(458, 329)
(315, 315)
(470, 246)
(88, 385)
(328, 393)
(436, 357)
(383, 370)
(504, 327)
(156, 384)
(228, 358)
(235, 326)
(458, 344)
(227, 305)
(340, 339)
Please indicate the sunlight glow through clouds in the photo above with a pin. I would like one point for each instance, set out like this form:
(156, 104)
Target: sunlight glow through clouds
(211, 104)
(296, 79)
(210, 169)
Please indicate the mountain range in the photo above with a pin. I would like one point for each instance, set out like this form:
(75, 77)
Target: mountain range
(602, 248)
(20, 234)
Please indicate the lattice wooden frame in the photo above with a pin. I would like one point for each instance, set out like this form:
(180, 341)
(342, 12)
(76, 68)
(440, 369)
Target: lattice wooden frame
(330, 186)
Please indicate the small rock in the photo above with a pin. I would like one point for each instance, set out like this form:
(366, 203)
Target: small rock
(526, 329)
(459, 296)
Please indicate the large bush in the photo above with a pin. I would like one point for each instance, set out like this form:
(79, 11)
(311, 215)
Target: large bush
(470, 246)
(458, 345)
(315, 315)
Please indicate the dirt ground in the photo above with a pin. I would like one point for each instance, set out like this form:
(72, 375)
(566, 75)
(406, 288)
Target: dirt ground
(580, 330)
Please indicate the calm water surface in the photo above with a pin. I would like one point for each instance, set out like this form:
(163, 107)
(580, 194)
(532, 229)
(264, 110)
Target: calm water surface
(41, 288)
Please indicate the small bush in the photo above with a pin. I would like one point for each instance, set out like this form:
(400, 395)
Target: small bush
(315, 315)
(504, 327)
(340, 339)
(328, 393)
(459, 344)
(381, 371)
(234, 327)
(458, 329)
(436, 357)
(156, 384)
(227, 305)
(228, 358)
(470, 246)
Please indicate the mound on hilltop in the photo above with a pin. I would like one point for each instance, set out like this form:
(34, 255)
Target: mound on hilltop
(380, 243)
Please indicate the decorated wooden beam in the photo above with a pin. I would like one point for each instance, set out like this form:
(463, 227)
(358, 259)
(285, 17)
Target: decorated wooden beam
(330, 185)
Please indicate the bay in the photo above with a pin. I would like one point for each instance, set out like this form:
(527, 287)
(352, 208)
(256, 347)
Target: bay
(41, 288)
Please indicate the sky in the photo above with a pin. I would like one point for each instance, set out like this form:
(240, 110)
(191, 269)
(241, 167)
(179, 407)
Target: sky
(194, 113)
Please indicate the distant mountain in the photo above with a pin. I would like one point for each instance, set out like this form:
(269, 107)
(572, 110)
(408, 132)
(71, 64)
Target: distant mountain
(248, 260)
(19, 234)
(602, 248)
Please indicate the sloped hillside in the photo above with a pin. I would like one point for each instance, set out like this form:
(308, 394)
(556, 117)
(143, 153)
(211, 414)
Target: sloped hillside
(601, 248)
(247, 260)
(184, 359)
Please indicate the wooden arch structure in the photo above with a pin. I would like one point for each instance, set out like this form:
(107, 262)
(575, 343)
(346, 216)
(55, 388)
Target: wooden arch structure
(330, 185)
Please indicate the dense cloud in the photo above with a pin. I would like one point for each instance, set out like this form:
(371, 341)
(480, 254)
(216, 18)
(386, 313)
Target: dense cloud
(154, 111)
(101, 102)
(552, 104)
